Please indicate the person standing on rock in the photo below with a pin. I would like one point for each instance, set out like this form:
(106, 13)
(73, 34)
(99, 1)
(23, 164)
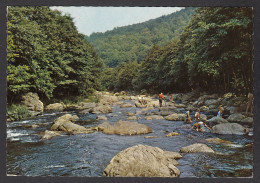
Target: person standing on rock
(187, 117)
(199, 126)
(197, 115)
(250, 103)
(220, 112)
(171, 99)
(161, 97)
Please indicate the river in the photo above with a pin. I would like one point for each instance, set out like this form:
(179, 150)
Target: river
(89, 154)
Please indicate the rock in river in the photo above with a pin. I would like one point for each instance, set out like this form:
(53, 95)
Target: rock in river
(217, 141)
(101, 117)
(194, 148)
(237, 117)
(126, 105)
(175, 117)
(124, 128)
(216, 120)
(55, 107)
(31, 100)
(156, 117)
(101, 109)
(143, 161)
(229, 128)
(49, 134)
(64, 123)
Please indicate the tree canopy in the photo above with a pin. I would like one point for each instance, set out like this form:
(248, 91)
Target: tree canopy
(133, 42)
(47, 55)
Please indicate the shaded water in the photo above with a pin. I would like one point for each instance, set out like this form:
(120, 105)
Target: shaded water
(89, 154)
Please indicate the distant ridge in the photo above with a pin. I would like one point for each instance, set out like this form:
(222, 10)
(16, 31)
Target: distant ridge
(133, 42)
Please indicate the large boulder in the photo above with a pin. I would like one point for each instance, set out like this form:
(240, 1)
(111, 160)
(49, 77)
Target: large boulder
(229, 128)
(65, 124)
(107, 99)
(195, 148)
(124, 128)
(55, 107)
(31, 100)
(247, 121)
(216, 120)
(237, 117)
(156, 117)
(86, 105)
(101, 109)
(143, 161)
(66, 117)
(175, 117)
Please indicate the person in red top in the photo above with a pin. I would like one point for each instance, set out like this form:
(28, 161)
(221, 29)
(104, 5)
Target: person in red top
(160, 99)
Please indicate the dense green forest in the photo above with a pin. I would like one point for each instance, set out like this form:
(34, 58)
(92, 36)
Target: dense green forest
(47, 55)
(213, 53)
(133, 42)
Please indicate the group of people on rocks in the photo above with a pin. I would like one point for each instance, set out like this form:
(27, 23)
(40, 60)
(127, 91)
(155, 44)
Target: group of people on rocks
(200, 124)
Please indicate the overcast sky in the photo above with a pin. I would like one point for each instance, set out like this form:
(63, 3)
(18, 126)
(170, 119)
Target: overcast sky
(101, 19)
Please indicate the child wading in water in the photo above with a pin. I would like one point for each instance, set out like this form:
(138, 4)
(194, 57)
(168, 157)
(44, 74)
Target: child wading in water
(199, 126)
(220, 112)
(187, 117)
(197, 115)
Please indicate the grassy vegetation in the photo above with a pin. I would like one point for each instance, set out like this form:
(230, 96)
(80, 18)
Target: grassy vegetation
(17, 112)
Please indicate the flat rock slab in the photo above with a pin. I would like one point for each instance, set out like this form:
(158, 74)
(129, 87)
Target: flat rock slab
(101, 109)
(229, 128)
(151, 137)
(143, 161)
(175, 117)
(237, 117)
(197, 148)
(157, 117)
(216, 120)
(124, 128)
(132, 118)
(172, 134)
(126, 105)
(217, 141)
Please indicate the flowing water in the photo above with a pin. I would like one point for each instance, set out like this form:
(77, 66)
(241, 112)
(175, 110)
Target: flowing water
(89, 154)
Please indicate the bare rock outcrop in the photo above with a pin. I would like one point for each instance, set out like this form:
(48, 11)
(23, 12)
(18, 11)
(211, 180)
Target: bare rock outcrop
(195, 148)
(124, 128)
(143, 161)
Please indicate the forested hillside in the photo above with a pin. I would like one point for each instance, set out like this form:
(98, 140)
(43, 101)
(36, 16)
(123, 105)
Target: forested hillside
(214, 53)
(47, 55)
(130, 43)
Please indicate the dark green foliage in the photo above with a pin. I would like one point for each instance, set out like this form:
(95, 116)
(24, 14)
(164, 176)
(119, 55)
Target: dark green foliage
(129, 43)
(121, 77)
(215, 50)
(17, 112)
(214, 54)
(47, 55)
